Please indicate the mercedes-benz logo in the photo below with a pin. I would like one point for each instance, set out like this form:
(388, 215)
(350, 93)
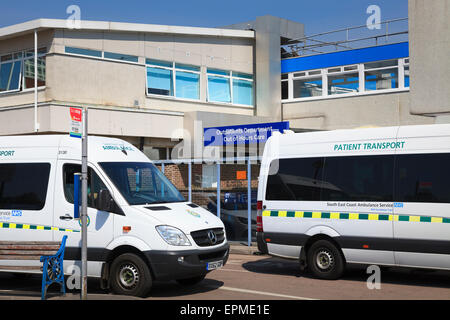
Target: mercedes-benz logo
(212, 237)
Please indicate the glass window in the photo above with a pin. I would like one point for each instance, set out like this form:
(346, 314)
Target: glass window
(358, 178)
(187, 67)
(406, 76)
(187, 85)
(343, 83)
(159, 81)
(95, 184)
(311, 87)
(381, 64)
(242, 92)
(284, 90)
(159, 63)
(423, 178)
(381, 79)
(141, 183)
(28, 70)
(119, 56)
(295, 179)
(219, 89)
(15, 194)
(10, 76)
(84, 52)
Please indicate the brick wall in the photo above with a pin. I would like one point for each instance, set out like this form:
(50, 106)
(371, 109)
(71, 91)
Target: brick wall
(178, 175)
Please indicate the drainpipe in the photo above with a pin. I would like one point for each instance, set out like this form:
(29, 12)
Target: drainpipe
(36, 124)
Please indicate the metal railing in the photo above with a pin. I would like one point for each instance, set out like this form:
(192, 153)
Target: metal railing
(350, 38)
(248, 161)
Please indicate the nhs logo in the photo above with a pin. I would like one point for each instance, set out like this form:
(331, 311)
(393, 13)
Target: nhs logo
(398, 204)
(16, 213)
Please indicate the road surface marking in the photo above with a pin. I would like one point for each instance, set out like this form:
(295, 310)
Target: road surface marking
(262, 293)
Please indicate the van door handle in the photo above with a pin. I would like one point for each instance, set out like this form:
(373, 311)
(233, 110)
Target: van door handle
(66, 217)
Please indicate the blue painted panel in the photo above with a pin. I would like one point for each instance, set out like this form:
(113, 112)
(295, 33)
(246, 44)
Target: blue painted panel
(326, 60)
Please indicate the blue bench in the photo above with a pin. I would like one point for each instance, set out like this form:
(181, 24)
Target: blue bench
(50, 253)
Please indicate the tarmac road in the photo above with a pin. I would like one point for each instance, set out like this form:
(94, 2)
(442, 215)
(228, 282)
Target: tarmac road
(253, 277)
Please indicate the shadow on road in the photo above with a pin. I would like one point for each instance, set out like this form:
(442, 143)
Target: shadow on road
(391, 275)
(173, 289)
(28, 286)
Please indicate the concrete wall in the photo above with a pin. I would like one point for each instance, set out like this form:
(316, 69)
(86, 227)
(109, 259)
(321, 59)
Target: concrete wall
(269, 30)
(115, 92)
(119, 123)
(123, 84)
(352, 112)
(429, 41)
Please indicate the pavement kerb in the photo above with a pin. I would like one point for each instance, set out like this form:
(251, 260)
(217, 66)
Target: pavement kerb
(240, 248)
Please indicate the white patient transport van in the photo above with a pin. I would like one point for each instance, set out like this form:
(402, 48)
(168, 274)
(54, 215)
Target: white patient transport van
(367, 196)
(140, 228)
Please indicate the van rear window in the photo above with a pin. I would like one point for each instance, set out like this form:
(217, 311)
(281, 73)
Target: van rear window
(23, 186)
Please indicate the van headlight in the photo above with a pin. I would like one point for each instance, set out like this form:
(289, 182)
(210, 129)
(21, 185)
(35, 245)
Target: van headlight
(173, 236)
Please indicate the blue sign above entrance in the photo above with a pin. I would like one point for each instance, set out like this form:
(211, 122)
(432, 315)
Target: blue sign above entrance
(242, 134)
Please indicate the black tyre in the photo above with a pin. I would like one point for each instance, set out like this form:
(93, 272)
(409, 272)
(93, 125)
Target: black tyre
(130, 275)
(191, 281)
(325, 261)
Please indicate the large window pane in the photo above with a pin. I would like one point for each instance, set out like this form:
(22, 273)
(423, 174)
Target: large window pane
(10, 76)
(159, 81)
(381, 79)
(187, 85)
(219, 89)
(95, 184)
(15, 193)
(295, 179)
(358, 178)
(307, 87)
(242, 92)
(423, 178)
(28, 69)
(343, 83)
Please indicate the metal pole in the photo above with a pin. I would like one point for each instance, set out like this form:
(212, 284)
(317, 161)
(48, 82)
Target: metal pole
(190, 180)
(36, 124)
(84, 204)
(218, 190)
(249, 202)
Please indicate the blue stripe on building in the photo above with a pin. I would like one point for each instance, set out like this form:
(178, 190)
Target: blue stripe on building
(342, 58)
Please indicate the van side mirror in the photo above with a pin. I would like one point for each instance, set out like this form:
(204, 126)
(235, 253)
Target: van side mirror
(105, 201)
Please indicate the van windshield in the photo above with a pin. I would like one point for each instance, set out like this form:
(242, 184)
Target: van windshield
(141, 183)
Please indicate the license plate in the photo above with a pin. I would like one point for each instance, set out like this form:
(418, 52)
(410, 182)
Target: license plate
(214, 265)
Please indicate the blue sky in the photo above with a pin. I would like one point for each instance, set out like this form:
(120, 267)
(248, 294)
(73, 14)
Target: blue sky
(318, 16)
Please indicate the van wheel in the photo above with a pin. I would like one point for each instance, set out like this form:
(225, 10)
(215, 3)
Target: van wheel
(325, 260)
(191, 281)
(130, 275)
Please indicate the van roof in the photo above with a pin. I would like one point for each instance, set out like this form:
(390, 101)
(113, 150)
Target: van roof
(66, 147)
(366, 133)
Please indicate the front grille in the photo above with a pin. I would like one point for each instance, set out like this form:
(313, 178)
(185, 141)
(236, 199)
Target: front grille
(202, 238)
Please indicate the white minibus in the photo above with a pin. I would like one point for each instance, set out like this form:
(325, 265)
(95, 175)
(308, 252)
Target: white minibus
(365, 196)
(140, 228)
